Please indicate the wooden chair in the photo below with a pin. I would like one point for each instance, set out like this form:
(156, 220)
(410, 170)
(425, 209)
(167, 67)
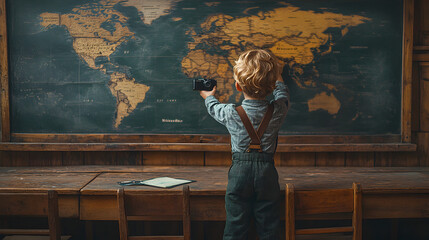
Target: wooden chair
(34, 205)
(311, 202)
(165, 205)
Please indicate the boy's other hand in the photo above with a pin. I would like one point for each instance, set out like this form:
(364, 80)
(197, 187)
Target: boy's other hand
(281, 66)
(205, 94)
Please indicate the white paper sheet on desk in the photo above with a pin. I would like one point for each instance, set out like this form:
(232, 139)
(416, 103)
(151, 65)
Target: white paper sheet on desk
(165, 182)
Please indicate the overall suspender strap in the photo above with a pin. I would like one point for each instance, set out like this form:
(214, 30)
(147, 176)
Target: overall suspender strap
(266, 120)
(255, 136)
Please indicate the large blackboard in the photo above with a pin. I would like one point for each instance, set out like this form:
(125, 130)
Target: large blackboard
(125, 67)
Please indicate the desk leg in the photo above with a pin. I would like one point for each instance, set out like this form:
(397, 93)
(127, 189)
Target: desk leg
(197, 230)
(394, 225)
(89, 234)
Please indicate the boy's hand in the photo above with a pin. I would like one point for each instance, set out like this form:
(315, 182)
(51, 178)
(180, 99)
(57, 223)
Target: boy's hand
(205, 94)
(281, 66)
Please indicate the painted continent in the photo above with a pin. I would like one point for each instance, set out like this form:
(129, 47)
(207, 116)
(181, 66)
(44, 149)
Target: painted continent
(295, 36)
(98, 30)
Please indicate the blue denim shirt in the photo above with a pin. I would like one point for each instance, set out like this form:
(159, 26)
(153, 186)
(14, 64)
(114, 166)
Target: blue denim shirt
(255, 109)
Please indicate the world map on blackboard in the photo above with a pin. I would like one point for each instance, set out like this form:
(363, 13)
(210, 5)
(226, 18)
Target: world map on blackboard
(125, 66)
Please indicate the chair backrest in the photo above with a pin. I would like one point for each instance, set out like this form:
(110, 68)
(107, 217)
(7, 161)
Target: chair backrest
(32, 205)
(308, 202)
(165, 205)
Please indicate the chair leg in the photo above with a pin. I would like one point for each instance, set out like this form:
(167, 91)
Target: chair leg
(123, 225)
(186, 213)
(53, 216)
(290, 212)
(357, 211)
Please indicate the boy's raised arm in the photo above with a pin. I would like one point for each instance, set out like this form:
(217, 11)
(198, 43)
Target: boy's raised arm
(281, 91)
(216, 109)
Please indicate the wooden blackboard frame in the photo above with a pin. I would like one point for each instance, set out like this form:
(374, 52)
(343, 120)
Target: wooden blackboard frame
(164, 142)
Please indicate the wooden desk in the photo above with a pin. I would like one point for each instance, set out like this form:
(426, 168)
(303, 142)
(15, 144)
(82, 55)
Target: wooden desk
(387, 192)
(68, 186)
(98, 199)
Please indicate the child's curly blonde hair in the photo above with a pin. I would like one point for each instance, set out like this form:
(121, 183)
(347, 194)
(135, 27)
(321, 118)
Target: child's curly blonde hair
(256, 71)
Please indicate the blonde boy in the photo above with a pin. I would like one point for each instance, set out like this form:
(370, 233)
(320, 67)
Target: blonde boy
(253, 188)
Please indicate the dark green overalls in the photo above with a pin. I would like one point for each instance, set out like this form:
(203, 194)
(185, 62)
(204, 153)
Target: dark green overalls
(253, 189)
